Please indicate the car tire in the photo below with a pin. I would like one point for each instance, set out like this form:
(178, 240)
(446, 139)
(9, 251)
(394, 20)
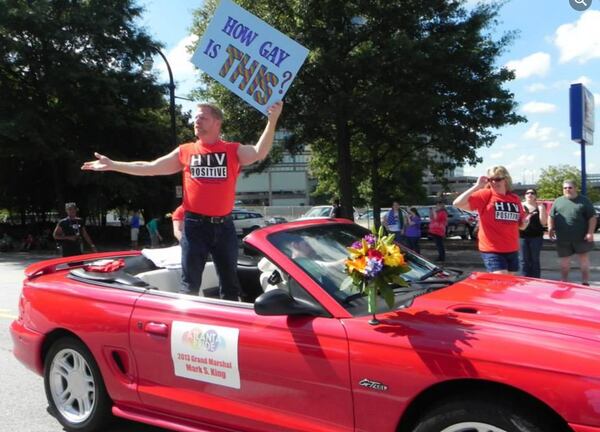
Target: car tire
(483, 415)
(74, 387)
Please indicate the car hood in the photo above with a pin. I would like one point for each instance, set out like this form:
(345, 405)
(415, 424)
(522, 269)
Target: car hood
(558, 307)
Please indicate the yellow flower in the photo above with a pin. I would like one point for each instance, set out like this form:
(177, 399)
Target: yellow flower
(393, 257)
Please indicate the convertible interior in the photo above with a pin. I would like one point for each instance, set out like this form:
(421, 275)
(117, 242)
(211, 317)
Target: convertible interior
(254, 274)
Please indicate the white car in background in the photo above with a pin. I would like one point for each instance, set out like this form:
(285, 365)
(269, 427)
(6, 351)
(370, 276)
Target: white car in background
(246, 221)
(322, 212)
(366, 219)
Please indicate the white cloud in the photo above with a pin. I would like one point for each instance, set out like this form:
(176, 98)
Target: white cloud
(539, 108)
(577, 153)
(509, 146)
(551, 144)
(522, 160)
(497, 155)
(580, 40)
(184, 72)
(534, 64)
(597, 100)
(586, 81)
(538, 133)
(537, 87)
(592, 165)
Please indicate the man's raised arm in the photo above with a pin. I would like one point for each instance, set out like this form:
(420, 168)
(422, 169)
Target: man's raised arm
(164, 165)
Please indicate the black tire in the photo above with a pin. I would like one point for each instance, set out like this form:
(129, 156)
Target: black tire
(470, 415)
(71, 371)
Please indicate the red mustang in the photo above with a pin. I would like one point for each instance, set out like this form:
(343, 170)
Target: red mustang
(457, 353)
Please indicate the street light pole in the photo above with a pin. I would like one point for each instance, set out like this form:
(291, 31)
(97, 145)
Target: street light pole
(171, 96)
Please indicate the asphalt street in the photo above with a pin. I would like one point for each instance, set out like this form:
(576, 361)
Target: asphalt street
(22, 401)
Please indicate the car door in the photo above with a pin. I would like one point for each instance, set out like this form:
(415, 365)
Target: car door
(219, 362)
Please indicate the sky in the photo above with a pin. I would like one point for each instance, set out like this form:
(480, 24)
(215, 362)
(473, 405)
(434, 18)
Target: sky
(555, 46)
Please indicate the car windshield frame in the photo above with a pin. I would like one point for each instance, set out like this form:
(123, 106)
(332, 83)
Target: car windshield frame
(320, 251)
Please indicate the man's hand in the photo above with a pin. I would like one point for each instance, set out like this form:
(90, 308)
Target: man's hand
(274, 111)
(551, 234)
(589, 237)
(102, 164)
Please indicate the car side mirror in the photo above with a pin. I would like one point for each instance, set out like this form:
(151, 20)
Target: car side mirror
(279, 302)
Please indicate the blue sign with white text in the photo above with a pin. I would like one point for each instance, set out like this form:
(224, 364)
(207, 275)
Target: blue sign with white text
(581, 102)
(249, 57)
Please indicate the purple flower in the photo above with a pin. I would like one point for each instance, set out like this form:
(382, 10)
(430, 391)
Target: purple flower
(371, 239)
(373, 267)
(357, 245)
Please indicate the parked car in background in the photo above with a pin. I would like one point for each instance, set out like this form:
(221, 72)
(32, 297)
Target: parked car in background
(276, 220)
(472, 218)
(246, 221)
(457, 222)
(366, 219)
(597, 207)
(323, 212)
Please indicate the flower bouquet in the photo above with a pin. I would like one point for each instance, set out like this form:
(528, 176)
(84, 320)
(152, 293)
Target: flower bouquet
(376, 262)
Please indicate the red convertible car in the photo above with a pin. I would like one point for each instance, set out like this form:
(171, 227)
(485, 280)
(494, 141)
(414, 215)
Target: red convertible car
(457, 353)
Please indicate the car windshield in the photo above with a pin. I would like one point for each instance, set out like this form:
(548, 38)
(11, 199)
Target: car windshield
(423, 211)
(322, 250)
(318, 212)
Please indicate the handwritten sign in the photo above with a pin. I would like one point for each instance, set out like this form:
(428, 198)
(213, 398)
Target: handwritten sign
(249, 57)
(206, 353)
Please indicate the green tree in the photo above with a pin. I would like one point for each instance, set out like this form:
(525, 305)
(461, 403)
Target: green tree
(387, 85)
(551, 181)
(71, 85)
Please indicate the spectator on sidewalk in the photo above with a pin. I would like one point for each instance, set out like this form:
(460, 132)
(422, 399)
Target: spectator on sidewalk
(572, 223)
(70, 231)
(178, 217)
(395, 223)
(413, 230)
(134, 228)
(155, 237)
(501, 215)
(532, 237)
(438, 220)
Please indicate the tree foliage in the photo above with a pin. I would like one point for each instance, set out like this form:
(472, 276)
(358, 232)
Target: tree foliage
(71, 85)
(386, 85)
(551, 181)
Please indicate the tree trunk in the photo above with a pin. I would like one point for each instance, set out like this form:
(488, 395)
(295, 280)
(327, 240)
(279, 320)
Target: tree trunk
(344, 169)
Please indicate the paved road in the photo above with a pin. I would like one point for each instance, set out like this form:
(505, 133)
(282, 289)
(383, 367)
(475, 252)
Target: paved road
(22, 401)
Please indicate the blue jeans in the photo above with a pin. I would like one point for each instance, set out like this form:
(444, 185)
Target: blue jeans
(200, 238)
(495, 261)
(439, 244)
(530, 256)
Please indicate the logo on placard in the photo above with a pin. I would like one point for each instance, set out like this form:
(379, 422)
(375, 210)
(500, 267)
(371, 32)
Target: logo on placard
(198, 340)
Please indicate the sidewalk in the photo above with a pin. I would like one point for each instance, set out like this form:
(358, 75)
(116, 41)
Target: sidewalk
(463, 254)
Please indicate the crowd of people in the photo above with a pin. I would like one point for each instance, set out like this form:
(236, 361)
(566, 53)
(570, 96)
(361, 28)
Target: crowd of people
(511, 232)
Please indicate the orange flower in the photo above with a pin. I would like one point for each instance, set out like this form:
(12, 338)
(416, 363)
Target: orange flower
(357, 264)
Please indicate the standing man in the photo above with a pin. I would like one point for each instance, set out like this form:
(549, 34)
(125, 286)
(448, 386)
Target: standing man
(572, 223)
(154, 233)
(135, 229)
(69, 232)
(210, 169)
(394, 222)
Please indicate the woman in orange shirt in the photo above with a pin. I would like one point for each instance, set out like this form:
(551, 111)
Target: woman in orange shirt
(501, 215)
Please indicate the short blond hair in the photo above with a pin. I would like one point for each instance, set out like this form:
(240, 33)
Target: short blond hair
(501, 171)
(214, 110)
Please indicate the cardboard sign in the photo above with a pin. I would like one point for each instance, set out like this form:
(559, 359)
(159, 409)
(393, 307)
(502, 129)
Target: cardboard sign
(252, 59)
(206, 353)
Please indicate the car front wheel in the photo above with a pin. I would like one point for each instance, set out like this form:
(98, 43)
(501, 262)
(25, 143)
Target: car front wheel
(483, 416)
(74, 387)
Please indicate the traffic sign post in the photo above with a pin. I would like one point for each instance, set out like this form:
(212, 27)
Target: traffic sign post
(581, 102)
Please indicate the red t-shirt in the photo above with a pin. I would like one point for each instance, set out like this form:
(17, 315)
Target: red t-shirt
(210, 172)
(437, 224)
(178, 214)
(499, 219)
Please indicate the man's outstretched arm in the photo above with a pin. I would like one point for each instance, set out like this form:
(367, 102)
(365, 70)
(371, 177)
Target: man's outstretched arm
(164, 165)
